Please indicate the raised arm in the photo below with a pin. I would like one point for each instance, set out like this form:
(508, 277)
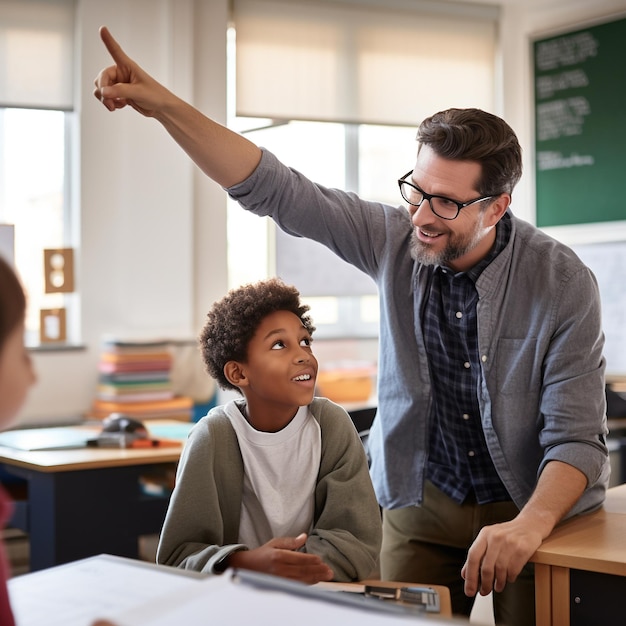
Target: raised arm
(223, 155)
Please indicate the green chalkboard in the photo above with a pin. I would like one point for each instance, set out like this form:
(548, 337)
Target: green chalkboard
(580, 125)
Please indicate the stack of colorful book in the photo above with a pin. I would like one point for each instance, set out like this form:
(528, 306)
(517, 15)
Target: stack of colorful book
(134, 379)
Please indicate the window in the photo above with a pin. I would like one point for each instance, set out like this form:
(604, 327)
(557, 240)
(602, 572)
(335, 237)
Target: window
(363, 158)
(379, 62)
(33, 182)
(351, 83)
(36, 134)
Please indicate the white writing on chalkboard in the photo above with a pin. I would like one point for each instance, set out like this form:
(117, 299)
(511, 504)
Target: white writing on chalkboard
(550, 160)
(548, 86)
(561, 118)
(565, 51)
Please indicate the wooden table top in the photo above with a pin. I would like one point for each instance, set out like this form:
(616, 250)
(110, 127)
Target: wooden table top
(81, 458)
(594, 542)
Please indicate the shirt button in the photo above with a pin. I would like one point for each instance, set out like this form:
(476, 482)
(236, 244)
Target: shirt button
(459, 315)
(466, 416)
(471, 453)
(466, 365)
(483, 358)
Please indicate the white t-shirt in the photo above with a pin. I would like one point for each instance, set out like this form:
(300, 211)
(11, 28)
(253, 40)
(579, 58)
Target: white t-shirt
(280, 474)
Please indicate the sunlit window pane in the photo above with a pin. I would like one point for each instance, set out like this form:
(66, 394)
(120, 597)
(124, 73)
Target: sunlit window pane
(32, 197)
(369, 309)
(385, 154)
(315, 148)
(370, 158)
(324, 310)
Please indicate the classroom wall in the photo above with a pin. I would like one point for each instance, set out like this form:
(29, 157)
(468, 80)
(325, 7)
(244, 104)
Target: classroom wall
(152, 251)
(152, 255)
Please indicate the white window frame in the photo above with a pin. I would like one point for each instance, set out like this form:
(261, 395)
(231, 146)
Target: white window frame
(37, 69)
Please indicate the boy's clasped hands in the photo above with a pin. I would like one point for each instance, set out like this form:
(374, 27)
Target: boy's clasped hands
(280, 557)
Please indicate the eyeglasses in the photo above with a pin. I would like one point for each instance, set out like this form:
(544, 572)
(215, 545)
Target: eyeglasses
(445, 208)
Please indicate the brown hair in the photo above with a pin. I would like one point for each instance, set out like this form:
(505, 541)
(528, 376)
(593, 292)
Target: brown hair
(12, 301)
(233, 320)
(475, 135)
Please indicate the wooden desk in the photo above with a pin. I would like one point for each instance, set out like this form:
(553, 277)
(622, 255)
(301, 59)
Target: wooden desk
(580, 569)
(86, 501)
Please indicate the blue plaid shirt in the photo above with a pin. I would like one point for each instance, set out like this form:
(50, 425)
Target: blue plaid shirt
(459, 463)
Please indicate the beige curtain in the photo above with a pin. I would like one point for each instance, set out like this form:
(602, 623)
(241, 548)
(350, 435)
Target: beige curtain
(387, 64)
(37, 53)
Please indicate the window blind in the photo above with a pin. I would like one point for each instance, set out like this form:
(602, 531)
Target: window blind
(37, 54)
(385, 64)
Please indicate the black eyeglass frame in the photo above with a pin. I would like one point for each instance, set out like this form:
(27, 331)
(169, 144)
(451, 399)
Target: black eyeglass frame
(429, 197)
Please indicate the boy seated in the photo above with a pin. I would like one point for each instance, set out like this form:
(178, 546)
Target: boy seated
(278, 480)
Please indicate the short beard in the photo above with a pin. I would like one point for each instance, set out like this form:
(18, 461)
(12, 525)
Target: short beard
(458, 246)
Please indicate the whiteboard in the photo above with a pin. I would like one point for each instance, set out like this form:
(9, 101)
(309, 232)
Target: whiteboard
(316, 271)
(608, 262)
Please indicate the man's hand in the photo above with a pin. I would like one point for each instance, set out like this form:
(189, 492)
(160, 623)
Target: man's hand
(498, 555)
(279, 557)
(499, 552)
(125, 83)
(223, 155)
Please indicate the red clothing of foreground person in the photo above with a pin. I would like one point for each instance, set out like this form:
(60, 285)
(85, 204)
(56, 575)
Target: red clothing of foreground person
(6, 614)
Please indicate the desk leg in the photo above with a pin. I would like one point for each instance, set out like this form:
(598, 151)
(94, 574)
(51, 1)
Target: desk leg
(543, 594)
(76, 514)
(560, 596)
(552, 595)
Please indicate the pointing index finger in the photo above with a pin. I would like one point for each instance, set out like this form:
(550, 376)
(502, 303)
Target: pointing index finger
(114, 48)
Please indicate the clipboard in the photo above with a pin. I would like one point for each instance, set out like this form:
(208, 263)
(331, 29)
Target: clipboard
(268, 582)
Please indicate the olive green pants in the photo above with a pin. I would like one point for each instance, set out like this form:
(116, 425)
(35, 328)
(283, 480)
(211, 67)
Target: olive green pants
(429, 544)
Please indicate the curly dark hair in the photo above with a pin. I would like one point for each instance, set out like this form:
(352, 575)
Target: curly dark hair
(475, 135)
(233, 320)
(12, 301)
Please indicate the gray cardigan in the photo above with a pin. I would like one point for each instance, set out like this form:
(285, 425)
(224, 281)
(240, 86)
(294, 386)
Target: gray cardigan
(202, 522)
(541, 389)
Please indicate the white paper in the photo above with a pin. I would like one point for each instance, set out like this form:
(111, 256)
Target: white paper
(133, 593)
(77, 593)
(225, 602)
